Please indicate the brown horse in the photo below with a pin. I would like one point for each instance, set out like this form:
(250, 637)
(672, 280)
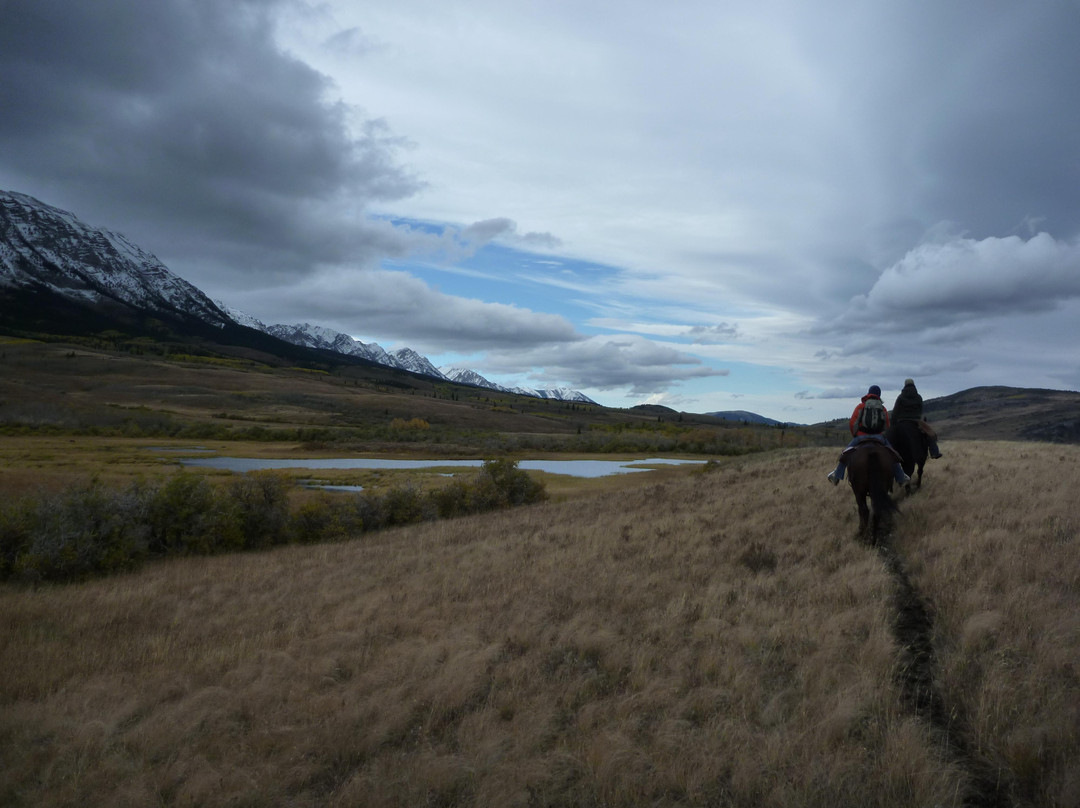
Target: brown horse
(870, 473)
(910, 443)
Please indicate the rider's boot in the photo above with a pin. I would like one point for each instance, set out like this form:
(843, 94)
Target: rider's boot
(901, 477)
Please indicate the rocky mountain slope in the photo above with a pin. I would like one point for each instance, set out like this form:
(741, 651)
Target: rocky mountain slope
(54, 266)
(43, 248)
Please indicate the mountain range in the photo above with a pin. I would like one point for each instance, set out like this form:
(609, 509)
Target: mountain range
(55, 268)
(743, 416)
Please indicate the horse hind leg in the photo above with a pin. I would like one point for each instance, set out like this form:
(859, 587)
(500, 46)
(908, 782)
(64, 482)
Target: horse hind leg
(864, 518)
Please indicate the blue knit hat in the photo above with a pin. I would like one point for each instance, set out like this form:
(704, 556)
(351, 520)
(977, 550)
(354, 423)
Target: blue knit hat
(874, 390)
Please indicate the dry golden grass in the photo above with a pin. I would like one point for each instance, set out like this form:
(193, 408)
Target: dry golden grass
(993, 543)
(717, 639)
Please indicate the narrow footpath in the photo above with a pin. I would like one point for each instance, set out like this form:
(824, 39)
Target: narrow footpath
(917, 676)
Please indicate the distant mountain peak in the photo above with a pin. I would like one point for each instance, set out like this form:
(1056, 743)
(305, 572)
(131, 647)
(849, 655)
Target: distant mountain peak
(408, 359)
(748, 417)
(463, 375)
(556, 394)
(48, 248)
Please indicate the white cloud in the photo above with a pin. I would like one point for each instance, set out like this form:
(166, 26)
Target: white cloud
(766, 182)
(936, 285)
(606, 363)
(398, 306)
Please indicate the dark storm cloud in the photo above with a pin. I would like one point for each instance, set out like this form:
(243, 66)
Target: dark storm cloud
(182, 123)
(1002, 146)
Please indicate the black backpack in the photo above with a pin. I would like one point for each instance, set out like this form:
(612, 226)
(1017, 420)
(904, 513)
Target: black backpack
(872, 418)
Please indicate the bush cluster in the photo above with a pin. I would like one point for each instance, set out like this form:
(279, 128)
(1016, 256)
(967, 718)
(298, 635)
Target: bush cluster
(92, 530)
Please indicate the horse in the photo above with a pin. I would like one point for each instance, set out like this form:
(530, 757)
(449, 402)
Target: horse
(870, 473)
(910, 443)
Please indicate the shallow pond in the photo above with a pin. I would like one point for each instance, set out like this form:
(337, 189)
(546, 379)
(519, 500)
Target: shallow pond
(574, 468)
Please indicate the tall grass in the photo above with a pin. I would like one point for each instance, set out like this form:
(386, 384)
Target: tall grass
(720, 640)
(995, 542)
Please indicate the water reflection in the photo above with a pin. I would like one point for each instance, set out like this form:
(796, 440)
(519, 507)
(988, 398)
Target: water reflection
(574, 468)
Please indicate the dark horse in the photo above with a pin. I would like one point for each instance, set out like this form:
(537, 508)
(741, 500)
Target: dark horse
(870, 472)
(910, 442)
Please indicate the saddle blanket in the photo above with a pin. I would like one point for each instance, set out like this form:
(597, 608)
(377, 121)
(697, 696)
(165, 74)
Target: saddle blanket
(861, 441)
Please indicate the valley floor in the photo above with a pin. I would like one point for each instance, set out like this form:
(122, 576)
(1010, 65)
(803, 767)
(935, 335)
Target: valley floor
(718, 638)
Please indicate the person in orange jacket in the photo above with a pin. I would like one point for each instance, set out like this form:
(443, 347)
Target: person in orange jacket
(869, 421)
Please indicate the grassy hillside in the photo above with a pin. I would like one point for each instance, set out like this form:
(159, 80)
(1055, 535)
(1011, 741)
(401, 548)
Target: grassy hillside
(136, 389)
(1009, 413)
(717, 639)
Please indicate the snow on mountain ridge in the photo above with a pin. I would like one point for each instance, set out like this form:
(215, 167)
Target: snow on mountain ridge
(410, 360)
(463, 375)
(316, 336)
(46, 246)
(556, 394)
(241, 317)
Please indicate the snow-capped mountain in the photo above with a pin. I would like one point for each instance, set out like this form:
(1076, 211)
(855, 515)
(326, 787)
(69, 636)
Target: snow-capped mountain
(49, 253)
(466, 376)
(557, 394)
(408, 359)
(317, 336)
(243, 318)
(45, 248)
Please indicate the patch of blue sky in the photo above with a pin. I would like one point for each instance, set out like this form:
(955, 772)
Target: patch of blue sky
(759, 388)
(538, 282)
(596, 298)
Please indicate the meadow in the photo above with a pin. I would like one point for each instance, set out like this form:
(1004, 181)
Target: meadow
(706, 639)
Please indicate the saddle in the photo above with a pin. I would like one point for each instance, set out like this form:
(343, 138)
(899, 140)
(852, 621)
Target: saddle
(864, 441)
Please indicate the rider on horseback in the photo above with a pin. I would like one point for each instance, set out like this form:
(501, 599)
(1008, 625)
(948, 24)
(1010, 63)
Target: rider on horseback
(868, 423)
(909, 407)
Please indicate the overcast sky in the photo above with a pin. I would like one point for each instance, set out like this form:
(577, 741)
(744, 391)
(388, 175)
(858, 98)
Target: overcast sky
(711, 205)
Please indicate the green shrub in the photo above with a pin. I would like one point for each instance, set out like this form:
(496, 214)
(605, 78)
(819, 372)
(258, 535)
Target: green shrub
(513, 486)
(325, 518)
(259, 503)
(406, 506)
(81, 531)
(499, 484)
(453, 499)
(186, 516)
(16, 528)
(92, 530)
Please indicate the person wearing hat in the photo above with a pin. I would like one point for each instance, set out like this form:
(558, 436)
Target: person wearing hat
(909, 407)
(868, 422)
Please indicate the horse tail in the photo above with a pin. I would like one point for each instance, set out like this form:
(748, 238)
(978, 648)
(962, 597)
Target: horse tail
(883, 503)
(880, 477)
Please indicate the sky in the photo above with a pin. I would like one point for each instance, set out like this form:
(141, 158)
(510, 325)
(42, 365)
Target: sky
(708, 205)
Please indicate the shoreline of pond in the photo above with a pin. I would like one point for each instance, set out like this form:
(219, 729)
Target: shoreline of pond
(587, 468)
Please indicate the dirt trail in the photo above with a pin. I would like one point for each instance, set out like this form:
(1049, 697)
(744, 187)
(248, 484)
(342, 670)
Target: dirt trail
(913, 626)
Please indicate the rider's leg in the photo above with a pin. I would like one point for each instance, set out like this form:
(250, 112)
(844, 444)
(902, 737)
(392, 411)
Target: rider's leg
(837, 474)
(898, 473)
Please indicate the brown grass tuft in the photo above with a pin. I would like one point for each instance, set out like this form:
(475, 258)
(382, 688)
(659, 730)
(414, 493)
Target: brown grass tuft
(720, 639)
